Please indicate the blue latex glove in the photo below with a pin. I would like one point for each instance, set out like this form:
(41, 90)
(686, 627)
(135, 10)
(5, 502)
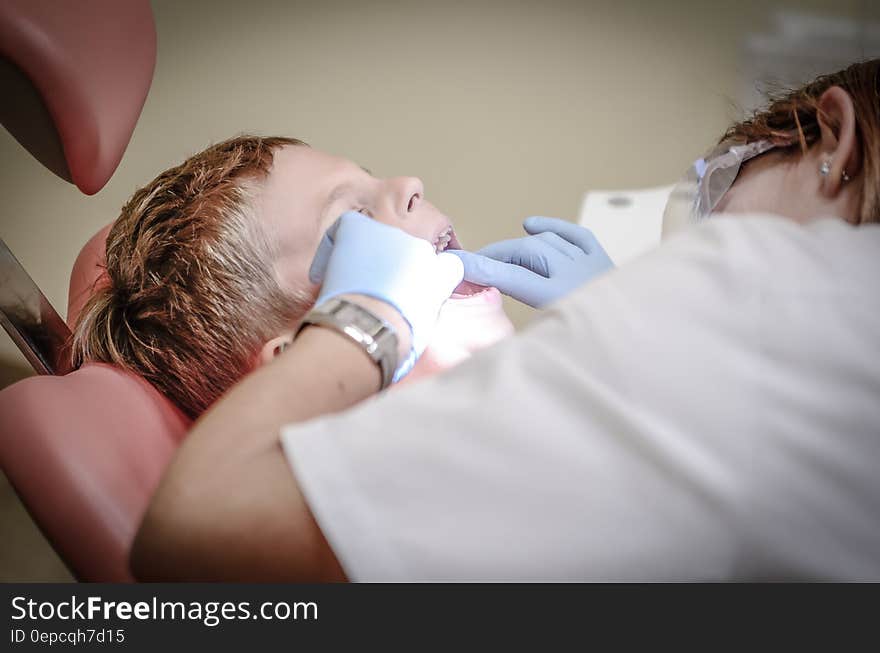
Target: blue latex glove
(359, 255)
(540, 268)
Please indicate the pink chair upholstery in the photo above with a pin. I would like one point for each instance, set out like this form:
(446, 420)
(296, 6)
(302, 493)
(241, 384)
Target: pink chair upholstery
(85, 451)
(75, 76)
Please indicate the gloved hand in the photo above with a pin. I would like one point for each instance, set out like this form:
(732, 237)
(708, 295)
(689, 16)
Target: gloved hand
(359, 255)
(555, 259)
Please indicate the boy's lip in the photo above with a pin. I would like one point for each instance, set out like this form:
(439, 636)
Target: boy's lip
(468, 289)
(453, 241)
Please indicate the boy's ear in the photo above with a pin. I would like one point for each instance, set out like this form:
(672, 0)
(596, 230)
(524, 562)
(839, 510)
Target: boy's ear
(839, 143)
(274, 347)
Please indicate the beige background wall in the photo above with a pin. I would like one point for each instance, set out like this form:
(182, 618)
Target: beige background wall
(504, 109)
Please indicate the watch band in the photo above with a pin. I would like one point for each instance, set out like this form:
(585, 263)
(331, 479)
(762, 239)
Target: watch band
(375, 336)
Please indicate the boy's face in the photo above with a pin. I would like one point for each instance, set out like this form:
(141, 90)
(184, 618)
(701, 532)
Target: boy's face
(307, 190)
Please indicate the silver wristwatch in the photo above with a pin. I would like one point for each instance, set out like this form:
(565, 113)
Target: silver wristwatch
(374, 334)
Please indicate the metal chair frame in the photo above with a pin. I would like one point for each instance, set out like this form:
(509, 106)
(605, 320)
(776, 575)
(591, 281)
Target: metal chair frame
(30, 320)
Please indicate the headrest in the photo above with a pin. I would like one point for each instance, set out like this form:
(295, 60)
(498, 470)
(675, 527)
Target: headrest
(74, 77)
(85, 451)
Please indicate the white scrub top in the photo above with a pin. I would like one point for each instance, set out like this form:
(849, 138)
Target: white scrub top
(710, 411)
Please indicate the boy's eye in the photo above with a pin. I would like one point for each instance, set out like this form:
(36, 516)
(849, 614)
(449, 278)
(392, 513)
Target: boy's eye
(365, 211)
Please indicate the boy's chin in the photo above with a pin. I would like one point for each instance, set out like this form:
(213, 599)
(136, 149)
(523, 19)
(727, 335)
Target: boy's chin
(465, 326)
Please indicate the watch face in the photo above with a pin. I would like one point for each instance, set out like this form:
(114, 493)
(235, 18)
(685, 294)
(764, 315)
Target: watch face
(366, 322)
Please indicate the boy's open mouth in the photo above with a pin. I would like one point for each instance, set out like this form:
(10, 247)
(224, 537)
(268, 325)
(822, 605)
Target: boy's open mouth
(448, 240)
(468, 289)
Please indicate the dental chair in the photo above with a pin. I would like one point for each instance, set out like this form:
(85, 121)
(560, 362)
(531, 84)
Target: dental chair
(83, 449)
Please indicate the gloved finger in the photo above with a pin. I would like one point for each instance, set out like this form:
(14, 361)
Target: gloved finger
(325, 247)
(444, 275)
(503, 250)
(322, 255)
(600, 255)
(573, 233)
(511, 279)
(530, 252)
(450, 272)
(560, 244)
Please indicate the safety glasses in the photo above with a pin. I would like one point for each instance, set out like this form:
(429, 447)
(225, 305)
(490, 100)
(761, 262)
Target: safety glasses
(695, 197)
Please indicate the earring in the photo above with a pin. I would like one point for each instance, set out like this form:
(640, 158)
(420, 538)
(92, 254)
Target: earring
(825, 168)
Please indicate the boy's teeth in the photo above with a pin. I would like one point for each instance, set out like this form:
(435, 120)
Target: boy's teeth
(443, 240)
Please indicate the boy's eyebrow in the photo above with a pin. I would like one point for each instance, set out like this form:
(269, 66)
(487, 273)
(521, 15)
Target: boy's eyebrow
(336, 193)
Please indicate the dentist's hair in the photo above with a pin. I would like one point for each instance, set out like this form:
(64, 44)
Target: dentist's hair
(190, 294)
(793, 117)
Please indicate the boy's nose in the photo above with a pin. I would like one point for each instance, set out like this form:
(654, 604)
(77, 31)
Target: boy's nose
(405, 195)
